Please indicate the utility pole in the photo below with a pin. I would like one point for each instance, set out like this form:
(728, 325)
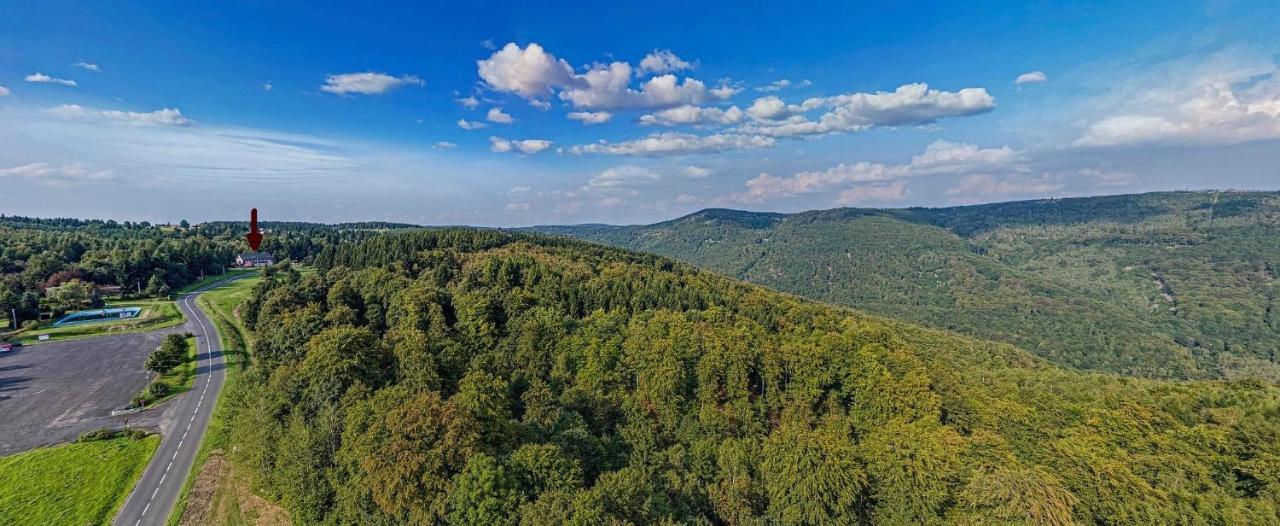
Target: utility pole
(14, 312)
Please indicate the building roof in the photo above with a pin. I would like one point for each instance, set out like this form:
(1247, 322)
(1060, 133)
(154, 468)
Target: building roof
(256, 256)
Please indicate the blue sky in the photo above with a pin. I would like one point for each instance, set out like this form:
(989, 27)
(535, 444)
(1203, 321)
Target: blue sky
(520, 113)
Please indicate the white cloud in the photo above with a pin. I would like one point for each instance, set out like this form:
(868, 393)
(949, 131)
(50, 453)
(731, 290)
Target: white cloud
(940, 157)
(622, 177)
(540, 104)
(366, 83)
(4, 92)
(1224, 100)
(445, 145)
(87, 66)
(662, 61)
(488, 44)
(676, 144)
(773, 108)
(697, 172)
(894, 191)
(266, 86)
(777, 85)
(533, 73)
(590, 117)
(693, 115)
(56, 174)
(41, 78)
(530, 72)
(162, 117)
(528, 146)
(468, 102)
(518, 207)
(1031, 77)
(909, 105)
(685, 199)
(498, 116)
(471, 125)
(604, 91)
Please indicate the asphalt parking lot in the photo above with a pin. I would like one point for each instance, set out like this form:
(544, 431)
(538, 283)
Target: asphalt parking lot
(52, 392)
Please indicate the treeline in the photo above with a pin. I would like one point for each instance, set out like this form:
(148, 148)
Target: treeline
(1083, 282)
(37, 255)
(476, 377)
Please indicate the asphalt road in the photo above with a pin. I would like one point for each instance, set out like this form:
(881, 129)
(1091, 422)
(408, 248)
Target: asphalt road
(51, 392)
(153, 498)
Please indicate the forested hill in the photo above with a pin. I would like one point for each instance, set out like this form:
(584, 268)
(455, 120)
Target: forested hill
(474, 377)
(1177, 285)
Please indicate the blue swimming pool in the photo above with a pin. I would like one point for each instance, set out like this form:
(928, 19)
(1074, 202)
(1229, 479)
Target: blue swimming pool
(97, 315)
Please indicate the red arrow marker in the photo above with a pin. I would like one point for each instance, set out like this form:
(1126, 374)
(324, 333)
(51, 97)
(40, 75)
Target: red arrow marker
(254, 237)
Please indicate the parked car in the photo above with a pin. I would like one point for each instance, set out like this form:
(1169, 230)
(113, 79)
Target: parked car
(6, 346)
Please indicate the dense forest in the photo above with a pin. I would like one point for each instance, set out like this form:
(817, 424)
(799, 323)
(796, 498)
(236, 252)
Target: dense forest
(40, 257)
(475, 377)
(1166, 285)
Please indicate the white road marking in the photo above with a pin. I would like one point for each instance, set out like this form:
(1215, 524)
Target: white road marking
(208, 346)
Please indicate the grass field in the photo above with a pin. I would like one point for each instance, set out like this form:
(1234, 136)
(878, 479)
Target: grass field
(156, 314)
(77, 483)
(237, 346)
(215, 278)
(177, 381)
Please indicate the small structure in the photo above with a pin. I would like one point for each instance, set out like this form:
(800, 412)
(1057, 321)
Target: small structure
(254, 259)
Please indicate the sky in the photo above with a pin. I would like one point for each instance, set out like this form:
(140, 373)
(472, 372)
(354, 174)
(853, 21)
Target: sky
(513, 114)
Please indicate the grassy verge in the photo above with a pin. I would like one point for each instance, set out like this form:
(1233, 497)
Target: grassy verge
(177, 381)
(77, 483)
(156, 314)
(209, 280)
(237, 345)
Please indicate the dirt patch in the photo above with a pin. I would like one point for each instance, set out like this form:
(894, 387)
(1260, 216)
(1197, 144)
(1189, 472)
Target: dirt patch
(219, 497)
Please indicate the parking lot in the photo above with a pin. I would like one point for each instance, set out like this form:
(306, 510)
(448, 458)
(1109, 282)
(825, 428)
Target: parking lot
(52, 392)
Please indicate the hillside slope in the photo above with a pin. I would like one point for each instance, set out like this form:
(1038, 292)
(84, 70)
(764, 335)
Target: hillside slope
(476, 377)
(1176, 285)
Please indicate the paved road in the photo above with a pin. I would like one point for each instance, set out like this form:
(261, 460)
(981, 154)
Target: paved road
(153, 498)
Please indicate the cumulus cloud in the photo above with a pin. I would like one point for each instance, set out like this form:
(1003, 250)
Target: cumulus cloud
(675, 144)
(938, 158)
(1225, 100)
(266, 86)
(161, 117)
(56, 174)
(366, 83)
(530, 72)
(445, 145)
(87, 66)
(590, 117)
(534, 74)
(41, 78)
(4, 92)
(908, 105)
(468, 102)
(527, 146)
(693, 115)
(471, 125)
(1031, 77)
(498, 116)
(662, 61)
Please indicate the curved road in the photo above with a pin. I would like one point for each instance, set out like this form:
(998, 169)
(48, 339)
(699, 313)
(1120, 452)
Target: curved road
(153, 497)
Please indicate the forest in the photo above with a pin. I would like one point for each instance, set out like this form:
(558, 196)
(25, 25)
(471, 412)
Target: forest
(468, 377)
(43, 261)
(1160, 285)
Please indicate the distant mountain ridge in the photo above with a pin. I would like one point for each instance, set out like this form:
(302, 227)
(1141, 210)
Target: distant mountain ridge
(1169, 284)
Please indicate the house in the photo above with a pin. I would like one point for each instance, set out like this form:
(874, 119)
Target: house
(254, 259)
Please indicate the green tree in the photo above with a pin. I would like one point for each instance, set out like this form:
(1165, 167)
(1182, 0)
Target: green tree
(484, 494)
